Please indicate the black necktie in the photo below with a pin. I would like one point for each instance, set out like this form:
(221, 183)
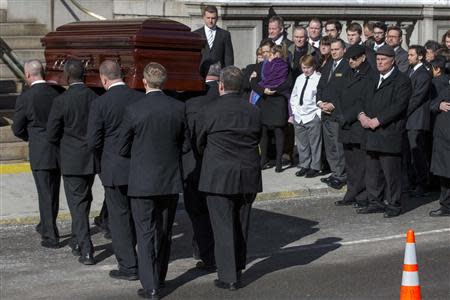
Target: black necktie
(303, 90)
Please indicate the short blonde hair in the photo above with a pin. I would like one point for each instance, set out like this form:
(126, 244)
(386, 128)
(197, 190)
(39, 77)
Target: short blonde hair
(308, 61)
(155, 74)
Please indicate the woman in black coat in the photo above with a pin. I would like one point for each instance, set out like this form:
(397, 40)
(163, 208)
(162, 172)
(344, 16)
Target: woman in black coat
(440, 160)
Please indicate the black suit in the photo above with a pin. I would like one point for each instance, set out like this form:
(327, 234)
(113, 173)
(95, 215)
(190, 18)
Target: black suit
(228, 136)
(388, 103)
(30, 123)
(195, 201)
(67, 126)
(417, 125)
(152, 133)
(440, 161)
(351, 133)
(105, 119)
(221, 50)
(328, 90)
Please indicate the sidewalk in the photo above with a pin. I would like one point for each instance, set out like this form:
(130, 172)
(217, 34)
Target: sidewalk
(19, 204)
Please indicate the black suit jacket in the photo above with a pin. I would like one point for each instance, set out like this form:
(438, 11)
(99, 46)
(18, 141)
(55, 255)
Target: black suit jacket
(152, 133)
(228, 136)
(222, 50)
(194, 107)
(438, 84)
(30, 124)
(388, 103)
(328, 91)
(351, 103)
(419, 103)
(440, 161)
(105, 118)
(67, 126)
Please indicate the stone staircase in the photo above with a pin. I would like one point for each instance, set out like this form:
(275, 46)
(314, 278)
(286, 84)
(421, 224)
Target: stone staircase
(24, 38)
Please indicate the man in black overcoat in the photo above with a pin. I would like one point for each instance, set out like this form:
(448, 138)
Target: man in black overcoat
(30, 124)
(418, 122)
(218, 46)
(440, 159)
(152, 134)
(384, 117)
(67, 126)
(328, 89)
(194, 200)
(228, 135)
(351, 134)
(105, 119)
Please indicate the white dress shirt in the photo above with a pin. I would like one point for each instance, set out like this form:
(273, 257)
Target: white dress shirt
(306, 112)
(314, 43)
(209, 31)
(279, 40)
(37, 82)
(383, 77)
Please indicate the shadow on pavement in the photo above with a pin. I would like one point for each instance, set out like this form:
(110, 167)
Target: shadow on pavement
(411, 203)
(269, 233)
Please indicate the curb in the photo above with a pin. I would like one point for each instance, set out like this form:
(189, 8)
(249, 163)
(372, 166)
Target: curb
(282, 195)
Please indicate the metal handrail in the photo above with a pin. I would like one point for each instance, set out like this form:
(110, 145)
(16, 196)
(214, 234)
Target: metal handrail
(80, 7)
(11, 60)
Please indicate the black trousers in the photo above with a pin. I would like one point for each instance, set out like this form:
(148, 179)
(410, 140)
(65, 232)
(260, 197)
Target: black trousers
(47, 185)
(79, 199)
(153, 218)
(384, 180)
(355, 165)
(122, 228)
(279, 143)
(444, 200)
(103, 215)
(230, 218)
(197, 209)
(417, 159)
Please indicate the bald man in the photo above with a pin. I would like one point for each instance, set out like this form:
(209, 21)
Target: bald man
(105, 119)
(30, 122)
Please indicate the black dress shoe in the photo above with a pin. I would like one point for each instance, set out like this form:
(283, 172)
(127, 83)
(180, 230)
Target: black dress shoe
(418, 192)
(117, 274)
(370, 210)
(267, 165)
(301, 172)
(107, 235)
(76, 250)
(232, 286)
(148, 294)
(360, 204)
(336, 183)
(390, 213)
(278, 169)
(311, 173)
(205, 267)
(344, 202)
(326, 179)
(50, 244)
(87, 259)
(38, 228)
(441, 212)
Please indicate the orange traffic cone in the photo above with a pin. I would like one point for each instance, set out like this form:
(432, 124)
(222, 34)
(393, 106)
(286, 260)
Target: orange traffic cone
(410, 289)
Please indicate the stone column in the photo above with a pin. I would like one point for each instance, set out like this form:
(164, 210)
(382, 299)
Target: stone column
(427, 28)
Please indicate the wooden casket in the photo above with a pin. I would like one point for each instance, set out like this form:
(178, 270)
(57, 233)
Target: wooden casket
(133, 44)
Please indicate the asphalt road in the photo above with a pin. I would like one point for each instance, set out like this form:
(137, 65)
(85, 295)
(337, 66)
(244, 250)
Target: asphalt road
(299, 249)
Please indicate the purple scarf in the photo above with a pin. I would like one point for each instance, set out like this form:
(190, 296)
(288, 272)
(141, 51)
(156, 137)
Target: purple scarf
(274, 72)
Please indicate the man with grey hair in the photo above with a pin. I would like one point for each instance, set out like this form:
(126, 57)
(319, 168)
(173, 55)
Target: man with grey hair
(152, 134)
(300, 48)
(228, 135)
(195, 201)
(30, 122)
(67, 126)
(105, 119)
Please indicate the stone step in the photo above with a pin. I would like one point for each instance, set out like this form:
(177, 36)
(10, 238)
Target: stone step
(13, 151)
(26, 54)
(7, 136)
(24, 42)
(22, 29)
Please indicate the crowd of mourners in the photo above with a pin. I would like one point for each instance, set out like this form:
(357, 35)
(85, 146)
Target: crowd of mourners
(366, 111)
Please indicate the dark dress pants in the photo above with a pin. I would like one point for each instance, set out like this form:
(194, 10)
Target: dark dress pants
(418, 159)
(230, 218)
(47, 185)
(444, 199)
(122, 228)
(333, 149)
(197, 209)
(79, 199)
(279, 143)
(153, 219)
(384, 180)
(355, 165)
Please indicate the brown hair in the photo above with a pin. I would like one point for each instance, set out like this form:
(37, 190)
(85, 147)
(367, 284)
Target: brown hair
(308, 61)
(396, 28)
(279, 49)
(444, 36)
(354, 27)
(325, 40)
(211, 9)
(155, 74)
